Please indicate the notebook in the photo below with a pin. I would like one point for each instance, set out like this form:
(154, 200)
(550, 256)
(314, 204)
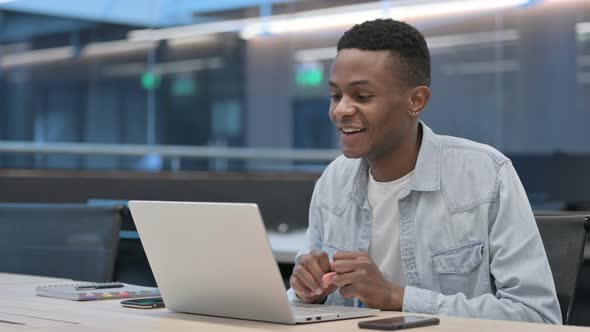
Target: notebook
(86, 291)
(215, 259)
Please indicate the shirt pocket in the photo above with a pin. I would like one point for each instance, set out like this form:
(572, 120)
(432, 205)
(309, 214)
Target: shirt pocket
(457, 267)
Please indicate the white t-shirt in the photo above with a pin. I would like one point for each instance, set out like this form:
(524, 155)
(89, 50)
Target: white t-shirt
(384, 248)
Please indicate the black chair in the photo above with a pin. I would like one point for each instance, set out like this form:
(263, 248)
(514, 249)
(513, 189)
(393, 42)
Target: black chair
(75, 241)
(564, 237)
(132, 265)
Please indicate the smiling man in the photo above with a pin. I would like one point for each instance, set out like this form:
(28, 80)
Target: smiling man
(410, 220)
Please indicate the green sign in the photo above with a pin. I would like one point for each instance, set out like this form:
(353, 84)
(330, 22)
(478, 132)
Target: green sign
(310, 78)
(150, 80)
(310, 74)
(184, 87)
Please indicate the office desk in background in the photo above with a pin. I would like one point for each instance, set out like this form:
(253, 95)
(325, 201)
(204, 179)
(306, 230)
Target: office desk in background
(19, 304)
(284, 245)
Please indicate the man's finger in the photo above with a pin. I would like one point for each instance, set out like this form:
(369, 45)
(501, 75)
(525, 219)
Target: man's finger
(345, 266)
(345, 279)
(324, 261)
(316, 271)
(329, 290)
(300, 288)
(309, 280)
(348, 255)
(327, 278)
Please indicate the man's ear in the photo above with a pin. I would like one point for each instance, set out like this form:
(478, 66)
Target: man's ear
(419, 98)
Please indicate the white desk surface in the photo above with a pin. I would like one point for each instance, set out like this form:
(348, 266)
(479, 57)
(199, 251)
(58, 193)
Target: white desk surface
(286, 245)
(18, 304)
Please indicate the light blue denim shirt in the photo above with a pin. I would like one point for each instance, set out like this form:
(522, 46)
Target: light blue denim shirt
(470, 245)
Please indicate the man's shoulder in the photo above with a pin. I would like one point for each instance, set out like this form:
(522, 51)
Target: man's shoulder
(456, 150)
(469, 172)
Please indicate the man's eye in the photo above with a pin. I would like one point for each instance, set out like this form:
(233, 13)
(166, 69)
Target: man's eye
(335, 97)
(363, 97)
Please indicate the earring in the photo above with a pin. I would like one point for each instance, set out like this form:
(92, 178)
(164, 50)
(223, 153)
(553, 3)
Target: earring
(414, 113)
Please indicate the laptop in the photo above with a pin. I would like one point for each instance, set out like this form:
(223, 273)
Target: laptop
(215, 259)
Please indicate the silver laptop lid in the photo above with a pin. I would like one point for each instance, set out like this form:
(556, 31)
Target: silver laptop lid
(212, 259)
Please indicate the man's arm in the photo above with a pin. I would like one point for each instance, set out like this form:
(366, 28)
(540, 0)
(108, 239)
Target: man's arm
(518, 265)
(313, 237)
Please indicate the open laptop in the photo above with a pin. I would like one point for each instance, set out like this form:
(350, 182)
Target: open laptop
(215, 259)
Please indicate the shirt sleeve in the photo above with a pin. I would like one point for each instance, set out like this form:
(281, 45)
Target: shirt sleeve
(313, 235)
(519, 268)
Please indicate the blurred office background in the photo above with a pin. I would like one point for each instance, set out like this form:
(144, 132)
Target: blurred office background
(241, 85)
(227, 100)
(514, 74)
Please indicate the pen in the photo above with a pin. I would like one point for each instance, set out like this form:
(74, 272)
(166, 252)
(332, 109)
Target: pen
(99, 286)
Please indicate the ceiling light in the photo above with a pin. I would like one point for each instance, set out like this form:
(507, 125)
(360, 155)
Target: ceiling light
(330, 18)
(485, 37)
(164, 68)
(349, 15)
(115, 48)
(191, 41)
(36, 57)
(435, 43)
(583, 28)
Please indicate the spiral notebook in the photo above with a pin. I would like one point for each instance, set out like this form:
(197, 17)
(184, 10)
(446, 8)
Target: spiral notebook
(87, 291)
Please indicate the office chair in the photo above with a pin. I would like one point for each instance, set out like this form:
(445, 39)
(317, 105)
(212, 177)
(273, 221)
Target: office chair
(75, 241)
(132, 265)
(564, 237)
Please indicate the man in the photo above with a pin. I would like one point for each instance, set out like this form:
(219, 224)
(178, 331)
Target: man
(410, 220)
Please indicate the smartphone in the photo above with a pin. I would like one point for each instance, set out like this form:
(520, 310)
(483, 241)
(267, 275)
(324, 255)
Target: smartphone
(398, 323)
(145, 303)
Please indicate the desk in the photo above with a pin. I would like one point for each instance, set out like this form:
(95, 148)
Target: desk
(18, 303)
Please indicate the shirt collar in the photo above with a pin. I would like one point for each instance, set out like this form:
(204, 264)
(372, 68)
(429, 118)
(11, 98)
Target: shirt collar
(427, 171)
(426, 175)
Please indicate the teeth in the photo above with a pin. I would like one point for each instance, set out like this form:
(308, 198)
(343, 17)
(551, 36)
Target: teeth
(350, 130)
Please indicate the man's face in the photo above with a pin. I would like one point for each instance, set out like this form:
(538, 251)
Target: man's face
(369, 103)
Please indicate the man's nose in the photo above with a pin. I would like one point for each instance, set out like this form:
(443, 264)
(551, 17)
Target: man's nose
(345, 108)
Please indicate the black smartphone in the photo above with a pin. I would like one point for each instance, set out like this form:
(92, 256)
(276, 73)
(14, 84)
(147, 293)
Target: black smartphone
(145, 303)
(398, 323)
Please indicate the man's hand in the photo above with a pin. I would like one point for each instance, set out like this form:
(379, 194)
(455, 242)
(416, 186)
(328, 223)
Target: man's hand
(358, 276)
(306, 279)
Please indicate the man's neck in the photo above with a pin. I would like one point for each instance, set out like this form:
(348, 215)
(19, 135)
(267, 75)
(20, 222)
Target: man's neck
(398, 162)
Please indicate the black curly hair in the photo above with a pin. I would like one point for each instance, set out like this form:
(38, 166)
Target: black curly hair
(406, 43)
